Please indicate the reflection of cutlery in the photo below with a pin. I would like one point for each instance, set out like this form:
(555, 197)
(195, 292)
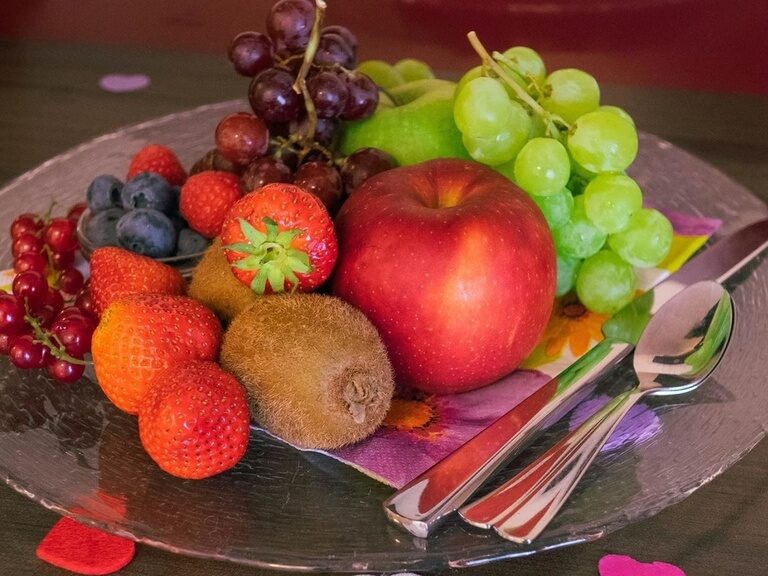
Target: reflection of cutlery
(424, 502)
(678, 350)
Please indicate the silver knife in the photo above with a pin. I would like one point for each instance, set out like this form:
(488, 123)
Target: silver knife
(421, 505)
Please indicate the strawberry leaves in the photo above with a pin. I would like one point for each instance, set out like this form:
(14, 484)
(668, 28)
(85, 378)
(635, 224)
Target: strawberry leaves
(270, 255)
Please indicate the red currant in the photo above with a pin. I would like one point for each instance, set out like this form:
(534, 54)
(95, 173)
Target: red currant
(30, 261)
(5, 342)
(76, 210)
(26, 353)
(11, 315)
(64, 371)
(31, 288)
(71, 281)
(84, 302)
(74, 334)
(60, 235)
(26, 224)
(54, 299)
(45, 315)
(62, 260)
(27, 243)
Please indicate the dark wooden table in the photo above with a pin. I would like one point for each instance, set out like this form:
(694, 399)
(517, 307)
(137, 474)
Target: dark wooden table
(50, 100)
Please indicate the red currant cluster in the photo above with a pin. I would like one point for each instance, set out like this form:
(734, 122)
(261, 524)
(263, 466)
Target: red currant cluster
(48, 319)
(303, 86)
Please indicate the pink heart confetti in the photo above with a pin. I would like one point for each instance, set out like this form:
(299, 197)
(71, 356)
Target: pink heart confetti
(617, 565)
(120, 83)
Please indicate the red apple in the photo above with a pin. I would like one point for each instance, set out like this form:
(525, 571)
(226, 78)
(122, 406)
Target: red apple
(454, 265)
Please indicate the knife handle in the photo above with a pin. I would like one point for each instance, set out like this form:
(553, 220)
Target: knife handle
(522, 507)
(421, 505)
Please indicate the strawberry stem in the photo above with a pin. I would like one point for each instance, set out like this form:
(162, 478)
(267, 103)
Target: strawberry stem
(270, 255)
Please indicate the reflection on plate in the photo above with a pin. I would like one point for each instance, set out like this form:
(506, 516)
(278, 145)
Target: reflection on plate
(69, 449)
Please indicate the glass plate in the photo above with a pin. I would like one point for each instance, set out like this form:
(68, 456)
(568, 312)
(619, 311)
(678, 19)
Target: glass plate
(69, 449)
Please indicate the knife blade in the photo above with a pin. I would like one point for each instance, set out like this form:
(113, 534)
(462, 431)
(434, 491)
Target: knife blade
(423, 504)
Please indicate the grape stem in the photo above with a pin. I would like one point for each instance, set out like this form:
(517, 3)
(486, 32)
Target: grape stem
(488, 61)
(52, 343)
(300, 85)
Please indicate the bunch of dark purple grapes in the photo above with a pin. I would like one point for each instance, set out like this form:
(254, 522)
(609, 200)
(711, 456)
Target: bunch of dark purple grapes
(303, 86)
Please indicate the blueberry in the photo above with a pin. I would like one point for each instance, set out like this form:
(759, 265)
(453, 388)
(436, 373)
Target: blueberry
(190, 242)
(148, 232)
(101, 228)
(149, 190)
(103, 193)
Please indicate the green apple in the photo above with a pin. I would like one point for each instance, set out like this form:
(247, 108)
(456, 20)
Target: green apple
(417, 125)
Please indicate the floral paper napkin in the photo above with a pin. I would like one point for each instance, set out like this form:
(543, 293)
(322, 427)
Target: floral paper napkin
(421, 429)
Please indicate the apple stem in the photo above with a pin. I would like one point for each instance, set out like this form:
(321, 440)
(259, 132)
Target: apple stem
(551, 120)
(300, 85)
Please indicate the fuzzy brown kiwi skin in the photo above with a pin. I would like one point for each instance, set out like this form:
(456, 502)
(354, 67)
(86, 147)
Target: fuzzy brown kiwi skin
(214, 285)
(314, 367)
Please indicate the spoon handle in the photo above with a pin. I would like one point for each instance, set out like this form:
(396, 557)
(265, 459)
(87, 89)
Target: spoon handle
(422, 504)
(521, 508)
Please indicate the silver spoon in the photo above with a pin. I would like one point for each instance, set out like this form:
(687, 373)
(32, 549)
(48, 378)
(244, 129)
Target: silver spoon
(678, 350)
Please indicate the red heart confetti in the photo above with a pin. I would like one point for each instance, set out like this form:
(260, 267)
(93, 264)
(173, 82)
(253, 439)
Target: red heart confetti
(84, 550)
(616, 565)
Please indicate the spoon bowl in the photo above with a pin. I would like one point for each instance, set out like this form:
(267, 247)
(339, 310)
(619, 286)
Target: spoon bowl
(679, 348)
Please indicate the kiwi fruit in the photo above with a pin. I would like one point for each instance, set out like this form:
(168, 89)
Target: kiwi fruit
(214, 285)
(315, 369)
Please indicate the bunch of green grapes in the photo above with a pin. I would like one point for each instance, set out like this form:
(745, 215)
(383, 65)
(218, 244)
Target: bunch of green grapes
(549, 134)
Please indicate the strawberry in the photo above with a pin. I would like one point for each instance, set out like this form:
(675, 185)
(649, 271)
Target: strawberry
(280, 238)
(206, 198)
(142, 334)
(116, 273)
(160, 160)
(194, 420)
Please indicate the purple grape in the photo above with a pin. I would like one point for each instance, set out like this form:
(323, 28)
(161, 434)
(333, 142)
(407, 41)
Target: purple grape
(265, 171)
(325, 130)
(333, 49)
(362, 164)
(289, 24)
(288, 156)
(321, 180)
(250, 53)
(241, 138)
(213, 160)
(363, 97)
(345, 33)
(329, 94)
(272, 97)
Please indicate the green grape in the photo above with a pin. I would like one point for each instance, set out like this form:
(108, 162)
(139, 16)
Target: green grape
(557, 208)
(527, 65)
(411, 69)
(570, 93)
(610, 200)
(603, 142)
(646, 240)
(382, 73)
(578, 238)
(470, 74)
(567, 269)
(605, 283)
(503, 146)
(619, 112)
(579, 179)
(482, 108)
(542, 167)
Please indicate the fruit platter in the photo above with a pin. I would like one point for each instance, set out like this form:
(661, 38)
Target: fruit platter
(219, 338)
